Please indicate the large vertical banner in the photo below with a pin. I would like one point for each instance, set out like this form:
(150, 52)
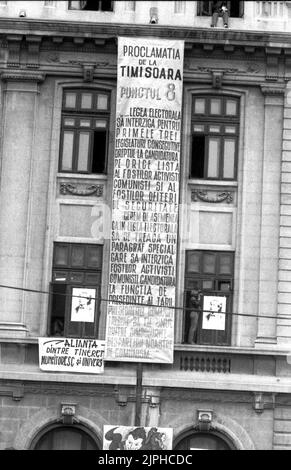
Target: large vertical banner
(145, 201)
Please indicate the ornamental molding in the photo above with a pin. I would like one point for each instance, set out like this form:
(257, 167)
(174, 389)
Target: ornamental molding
(266, 90)
(197, 194)
(23, 76)
(94, 189)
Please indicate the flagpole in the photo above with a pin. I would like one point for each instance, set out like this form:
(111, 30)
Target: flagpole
(138, 403)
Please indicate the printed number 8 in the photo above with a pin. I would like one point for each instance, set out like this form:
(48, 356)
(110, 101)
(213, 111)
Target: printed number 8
(171, 93)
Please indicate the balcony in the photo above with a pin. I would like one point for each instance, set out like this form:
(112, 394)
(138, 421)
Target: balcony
(249, 16)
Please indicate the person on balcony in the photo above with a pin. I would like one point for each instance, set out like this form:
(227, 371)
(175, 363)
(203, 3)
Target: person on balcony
(219, 9)
(195, 298)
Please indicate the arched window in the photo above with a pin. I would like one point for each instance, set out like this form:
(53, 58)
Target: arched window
(59, 437)
(204, 441)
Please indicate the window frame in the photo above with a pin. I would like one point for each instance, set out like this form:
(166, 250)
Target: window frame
(78, 114)
(96, 2)
(200, 9)
(68, 270)
(207, 120)
(196, 279)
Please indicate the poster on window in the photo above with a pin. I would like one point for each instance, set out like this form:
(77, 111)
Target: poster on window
(71, 355)
(145, 201)
(137, 438)
(213, 312)
(83, 305)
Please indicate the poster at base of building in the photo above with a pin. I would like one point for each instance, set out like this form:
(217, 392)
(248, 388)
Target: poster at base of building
(213, 312)
(83, 305)
(145, 201)
(71, 355)
(137, 438)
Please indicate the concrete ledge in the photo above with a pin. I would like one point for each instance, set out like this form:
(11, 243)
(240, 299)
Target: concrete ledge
(217, 381)
(20, 373)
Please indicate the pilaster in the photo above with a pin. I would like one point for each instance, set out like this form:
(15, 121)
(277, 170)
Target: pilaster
(284, 285)
(270, 218)
(19, 119)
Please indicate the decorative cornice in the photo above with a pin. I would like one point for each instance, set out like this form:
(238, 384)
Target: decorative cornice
(77, 191)
(22, 76)
(272, 90)
(104, 32)
(203, 196)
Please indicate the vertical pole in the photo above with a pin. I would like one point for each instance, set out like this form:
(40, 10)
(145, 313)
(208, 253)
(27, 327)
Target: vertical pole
(139, 370)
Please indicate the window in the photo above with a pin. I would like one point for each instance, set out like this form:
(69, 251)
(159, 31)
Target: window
(130, 6)
(75, 290)
(215, 130)
(204, 441)
(92, 5)
(66, 438)
(236, 9)
(84, 133)
(179, 7)
(209, 279)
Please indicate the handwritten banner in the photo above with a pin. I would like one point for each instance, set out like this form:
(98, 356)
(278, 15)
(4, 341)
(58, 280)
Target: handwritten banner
(71, 355)
(145, 201)
(137, 438)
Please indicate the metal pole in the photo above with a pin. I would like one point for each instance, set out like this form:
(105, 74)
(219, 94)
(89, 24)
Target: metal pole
(138, 394)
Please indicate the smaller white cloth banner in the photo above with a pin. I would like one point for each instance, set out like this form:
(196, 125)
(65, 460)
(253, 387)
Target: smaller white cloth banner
(213, 312)
(137, 438)
(71, 355)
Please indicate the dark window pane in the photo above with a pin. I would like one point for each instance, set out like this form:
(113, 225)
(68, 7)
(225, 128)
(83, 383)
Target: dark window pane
(191, 284)
(97, 5)
(77, 277)
(207, 285)
(94, 256)
(209, 263)
(198, 156)
(93, 279)
(78, 256)
(61, 257)
(225, 264)
(99, 152)
(58, 309)
(89, 330)
(193, 262)
(60, 276)
(66, 438)
(224, 286)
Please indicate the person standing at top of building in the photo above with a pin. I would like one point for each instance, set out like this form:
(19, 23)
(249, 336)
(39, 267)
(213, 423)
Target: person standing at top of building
(219, 9)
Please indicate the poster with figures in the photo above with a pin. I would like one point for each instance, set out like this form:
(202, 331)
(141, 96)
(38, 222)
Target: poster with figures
(137, 438)
(213, 312)
(145, 201)
(83, 305)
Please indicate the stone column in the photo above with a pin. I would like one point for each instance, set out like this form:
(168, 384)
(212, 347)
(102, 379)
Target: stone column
(18, 129)
(270, 218)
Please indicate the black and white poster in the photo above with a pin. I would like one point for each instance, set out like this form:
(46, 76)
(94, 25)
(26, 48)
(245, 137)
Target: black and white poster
(145, 201)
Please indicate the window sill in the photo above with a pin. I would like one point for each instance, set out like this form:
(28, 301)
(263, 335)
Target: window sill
(81, 176)
(272, 350)
(219, 183)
